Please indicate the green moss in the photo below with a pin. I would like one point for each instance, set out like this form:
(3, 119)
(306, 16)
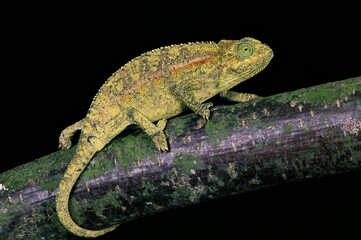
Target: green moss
(351, 147)
(260, 145)
(181, 193)
(133, 147)
(322, 94)
(148, 188)
(219, 127)
(196, 193)
(124, 150)
(7, 217)
(35, 172)
(177, 127)
(98, 205)
(3, 217)
(310, 155)
(287, 128)
(187, 164)
(232, 173)
(216, 130)
(99, 164)
(348, 140)
(217, 180)
(52, 184)
(308, 129)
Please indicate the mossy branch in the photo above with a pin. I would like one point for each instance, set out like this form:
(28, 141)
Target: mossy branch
(308, 133)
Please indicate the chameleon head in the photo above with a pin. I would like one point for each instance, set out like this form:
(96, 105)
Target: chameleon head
(241, 60)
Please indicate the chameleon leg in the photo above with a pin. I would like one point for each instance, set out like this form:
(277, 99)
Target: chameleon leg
(154, 131)
(185, 95)
(237, 97)
(67, 133)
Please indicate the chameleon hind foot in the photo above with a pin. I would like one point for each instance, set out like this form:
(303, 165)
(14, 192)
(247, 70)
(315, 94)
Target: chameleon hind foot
(67, 133)
(155, 131)
(160, 141)
(64, 142)
(159, 138)
(161, 124)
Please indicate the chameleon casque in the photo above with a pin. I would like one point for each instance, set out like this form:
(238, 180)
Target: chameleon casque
(151, 88)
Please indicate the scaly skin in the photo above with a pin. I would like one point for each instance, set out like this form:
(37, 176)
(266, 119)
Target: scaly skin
(153, 87)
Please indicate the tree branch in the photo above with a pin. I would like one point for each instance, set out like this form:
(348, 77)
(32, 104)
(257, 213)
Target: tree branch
(304, 134)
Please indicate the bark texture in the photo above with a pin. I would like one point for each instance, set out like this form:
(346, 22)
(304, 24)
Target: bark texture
(293, 136)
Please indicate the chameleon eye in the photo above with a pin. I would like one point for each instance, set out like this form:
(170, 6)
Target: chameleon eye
(244, 50)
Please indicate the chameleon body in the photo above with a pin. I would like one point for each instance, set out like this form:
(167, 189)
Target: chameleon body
(151, 88)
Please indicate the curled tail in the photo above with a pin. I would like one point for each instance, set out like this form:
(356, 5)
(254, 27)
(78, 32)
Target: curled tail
(81, 158)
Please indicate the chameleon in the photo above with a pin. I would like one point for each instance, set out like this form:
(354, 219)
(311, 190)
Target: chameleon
(148, 90)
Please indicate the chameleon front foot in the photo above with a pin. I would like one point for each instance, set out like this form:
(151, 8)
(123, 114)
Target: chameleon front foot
(203, 110)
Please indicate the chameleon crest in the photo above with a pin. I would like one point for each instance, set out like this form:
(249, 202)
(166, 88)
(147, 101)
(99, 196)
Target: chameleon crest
(151, 88)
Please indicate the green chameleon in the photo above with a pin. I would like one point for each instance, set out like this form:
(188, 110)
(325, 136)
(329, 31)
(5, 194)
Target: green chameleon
(153, 87)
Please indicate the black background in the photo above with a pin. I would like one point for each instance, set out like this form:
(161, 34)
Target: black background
(56, 55)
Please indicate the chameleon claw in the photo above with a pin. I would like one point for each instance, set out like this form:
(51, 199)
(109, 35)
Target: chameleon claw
(204, 110)
(160, 141)
(64, 144)
(163, 149)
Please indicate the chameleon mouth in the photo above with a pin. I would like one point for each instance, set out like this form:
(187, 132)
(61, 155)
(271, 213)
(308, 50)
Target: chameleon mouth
(245, 74)
(263, 64)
